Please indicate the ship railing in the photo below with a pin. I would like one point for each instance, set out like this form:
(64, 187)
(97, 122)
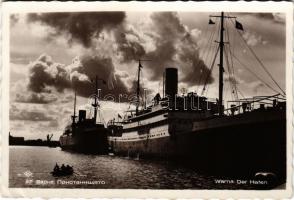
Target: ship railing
(255, 103)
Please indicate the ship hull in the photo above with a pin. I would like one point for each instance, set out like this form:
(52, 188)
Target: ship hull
(92, 142)
(221, 147)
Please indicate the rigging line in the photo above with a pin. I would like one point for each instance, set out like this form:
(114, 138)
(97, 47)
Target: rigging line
(207, 38)
(142, 85)
(227, 63)
(207, 52)
(233, 46)
(231, 53)
(229, 45)
(225, 91)
(210, 70)
(240, 92)
(205, 77)
(233, 81)
(206, 91)
(254, 74)
(144, 90)
(212, 61)
(231, 59)
(259, 61)
(234, 37)
(206, 49)
(229, 72)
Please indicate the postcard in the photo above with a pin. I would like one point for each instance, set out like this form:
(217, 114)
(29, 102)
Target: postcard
(147, 99)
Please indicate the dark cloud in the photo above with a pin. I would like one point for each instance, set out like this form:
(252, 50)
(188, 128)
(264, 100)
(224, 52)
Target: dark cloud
(20, 58)
(195, 72)
(232, 80)
(144, 92)
(84, 27)
(175, 48)
(198, 74)
(167, 29)
(53, 124)
(264, 15)
(103, 68)
(67, 98)
(274, 17)
(14, 18)
(130, 49)
(17, 114)
(80, 26)
(44, 73)
(258, 86)
(37, 98)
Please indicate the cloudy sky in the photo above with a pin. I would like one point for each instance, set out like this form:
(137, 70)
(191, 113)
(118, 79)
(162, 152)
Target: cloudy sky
(52, 53)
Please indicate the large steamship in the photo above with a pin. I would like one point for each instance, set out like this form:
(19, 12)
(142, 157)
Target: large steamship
(247, 137)
(85, 135)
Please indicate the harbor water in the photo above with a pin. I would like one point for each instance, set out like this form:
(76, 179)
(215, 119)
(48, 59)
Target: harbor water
(31, 167)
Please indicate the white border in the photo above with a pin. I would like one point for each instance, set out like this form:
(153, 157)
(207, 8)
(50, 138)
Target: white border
(23, 7)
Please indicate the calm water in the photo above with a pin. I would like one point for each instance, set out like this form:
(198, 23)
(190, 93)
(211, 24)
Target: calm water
(31, 167)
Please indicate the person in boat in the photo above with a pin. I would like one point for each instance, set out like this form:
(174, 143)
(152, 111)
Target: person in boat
(63, 168)
(68, 168)
(56, 168)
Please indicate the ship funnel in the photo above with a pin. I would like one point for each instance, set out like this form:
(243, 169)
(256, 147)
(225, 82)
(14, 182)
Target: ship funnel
(82, 115)
(171, 82)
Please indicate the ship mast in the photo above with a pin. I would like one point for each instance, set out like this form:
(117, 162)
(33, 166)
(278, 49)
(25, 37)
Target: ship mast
(95, 104)
(221, 62)
(74, 114)
(221, 67)
(138, 87)
(163, 84)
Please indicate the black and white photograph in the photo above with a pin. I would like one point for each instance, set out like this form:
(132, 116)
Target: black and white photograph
(148, 99)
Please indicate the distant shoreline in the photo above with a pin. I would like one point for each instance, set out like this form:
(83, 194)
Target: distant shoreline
(43, 145)
(20, 141)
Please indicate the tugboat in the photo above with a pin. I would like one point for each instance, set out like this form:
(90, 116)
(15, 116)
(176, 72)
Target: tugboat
(85, 135)
(247, 137)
